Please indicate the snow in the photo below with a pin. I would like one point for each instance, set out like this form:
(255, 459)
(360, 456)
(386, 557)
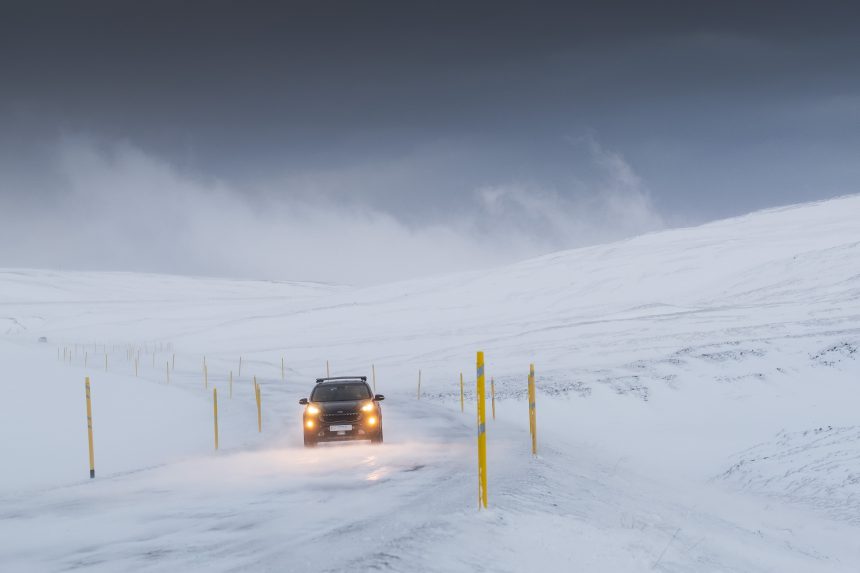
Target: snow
(697, 394)
(818, 467)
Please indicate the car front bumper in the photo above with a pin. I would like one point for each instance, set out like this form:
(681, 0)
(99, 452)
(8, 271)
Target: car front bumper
(360, 430)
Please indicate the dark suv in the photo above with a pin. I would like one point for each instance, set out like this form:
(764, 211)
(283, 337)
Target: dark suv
(342, 408)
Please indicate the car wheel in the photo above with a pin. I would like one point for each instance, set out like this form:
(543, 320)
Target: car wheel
(310, 442)
(377, 439)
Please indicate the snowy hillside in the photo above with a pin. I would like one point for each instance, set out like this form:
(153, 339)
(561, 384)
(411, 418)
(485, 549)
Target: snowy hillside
(697, 411)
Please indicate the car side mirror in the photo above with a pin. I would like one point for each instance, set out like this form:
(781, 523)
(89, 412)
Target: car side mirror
(303, 401)
(379, 397)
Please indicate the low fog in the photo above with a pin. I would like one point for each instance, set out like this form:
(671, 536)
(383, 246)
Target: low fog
(100, 205)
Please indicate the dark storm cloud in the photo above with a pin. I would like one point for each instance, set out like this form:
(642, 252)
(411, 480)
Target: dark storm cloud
(415, 110)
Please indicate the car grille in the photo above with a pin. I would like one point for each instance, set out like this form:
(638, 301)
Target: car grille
(337, 418)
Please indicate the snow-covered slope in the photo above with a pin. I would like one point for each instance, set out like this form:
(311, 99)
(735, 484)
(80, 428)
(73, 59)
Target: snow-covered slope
(662, 360)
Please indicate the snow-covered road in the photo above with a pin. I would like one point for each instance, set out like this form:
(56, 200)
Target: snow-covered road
(407, 505)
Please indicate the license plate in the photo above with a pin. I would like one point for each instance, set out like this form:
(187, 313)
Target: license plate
(343, 428)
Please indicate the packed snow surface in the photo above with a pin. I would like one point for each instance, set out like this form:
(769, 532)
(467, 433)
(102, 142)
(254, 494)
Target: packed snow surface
(697, 411)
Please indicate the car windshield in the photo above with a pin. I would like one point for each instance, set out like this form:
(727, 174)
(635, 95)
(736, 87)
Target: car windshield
(340, 392)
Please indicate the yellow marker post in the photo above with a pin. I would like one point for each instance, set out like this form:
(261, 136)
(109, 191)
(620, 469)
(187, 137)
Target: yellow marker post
(419, 384)
(231, 383)
(482, 435)
(372, 369)
(259, 407)
(215, 406)
(90, 429)
(532, 415)
(462, 395)
(493, 396)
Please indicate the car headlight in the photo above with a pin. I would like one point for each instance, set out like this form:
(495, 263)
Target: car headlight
(369, 407)
(313, 409)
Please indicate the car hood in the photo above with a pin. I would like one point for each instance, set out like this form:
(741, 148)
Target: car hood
(349, 407)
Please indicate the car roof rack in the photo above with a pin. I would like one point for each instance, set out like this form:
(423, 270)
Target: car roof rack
(362, 378)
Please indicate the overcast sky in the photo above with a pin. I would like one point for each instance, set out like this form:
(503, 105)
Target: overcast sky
(368, 141)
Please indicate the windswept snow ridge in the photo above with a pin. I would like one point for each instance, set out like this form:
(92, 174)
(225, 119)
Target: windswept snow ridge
(818, 467)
